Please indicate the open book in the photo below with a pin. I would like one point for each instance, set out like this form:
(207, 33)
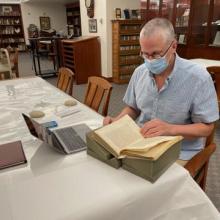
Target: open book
(123, 138)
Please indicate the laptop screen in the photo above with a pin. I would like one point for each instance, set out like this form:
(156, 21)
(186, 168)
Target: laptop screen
(30, 125)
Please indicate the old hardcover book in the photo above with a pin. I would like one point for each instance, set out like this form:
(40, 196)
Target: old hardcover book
(146, 168)
(11, 154)
(94, 149)
(123, 139)
(152, 169)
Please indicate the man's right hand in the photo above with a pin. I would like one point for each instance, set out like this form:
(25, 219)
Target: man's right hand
(108, 120)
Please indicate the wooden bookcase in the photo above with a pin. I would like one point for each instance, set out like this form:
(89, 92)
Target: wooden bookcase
(125, 48)
(196, 23)
(83, 56)
(73, 19)
(11, 27)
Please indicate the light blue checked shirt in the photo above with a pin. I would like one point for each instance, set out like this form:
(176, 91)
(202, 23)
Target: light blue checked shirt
(188, 96)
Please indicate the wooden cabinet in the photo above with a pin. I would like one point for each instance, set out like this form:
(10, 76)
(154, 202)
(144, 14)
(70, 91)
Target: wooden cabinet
(125, 49)
(196, 23)
(11, 27)
(73, 19)
(83, 56)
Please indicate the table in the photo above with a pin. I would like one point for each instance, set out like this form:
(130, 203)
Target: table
(206, 62)
(52, 186)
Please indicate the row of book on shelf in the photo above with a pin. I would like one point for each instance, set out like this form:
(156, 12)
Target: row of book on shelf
(13, 40)
(131, 47)
(129, 37)
(11, 21)
(128, 68)
(128, 58)
(130, 27)
(10, 30)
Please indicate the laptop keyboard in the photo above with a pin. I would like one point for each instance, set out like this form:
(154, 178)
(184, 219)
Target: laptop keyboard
(72, 141)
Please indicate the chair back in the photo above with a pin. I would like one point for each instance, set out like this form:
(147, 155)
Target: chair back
(198, 165)
(215, 74)
(97, 89)
(5, 64)
(14, 61)
(65, 80)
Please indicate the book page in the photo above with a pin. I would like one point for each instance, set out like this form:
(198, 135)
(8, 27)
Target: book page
(155, 152)
(145, 144)
(120, 134)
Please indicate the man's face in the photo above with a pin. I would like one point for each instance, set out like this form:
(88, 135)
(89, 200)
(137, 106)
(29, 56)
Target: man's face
(156, 46)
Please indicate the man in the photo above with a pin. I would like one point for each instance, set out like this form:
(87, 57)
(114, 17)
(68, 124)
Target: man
(169, 95)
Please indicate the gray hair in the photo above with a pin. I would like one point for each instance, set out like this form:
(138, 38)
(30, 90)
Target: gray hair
(158, 24)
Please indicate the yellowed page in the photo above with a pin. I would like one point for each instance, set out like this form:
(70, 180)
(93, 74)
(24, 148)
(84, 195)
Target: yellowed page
(120, 133)
(155, 152)
(144, 144)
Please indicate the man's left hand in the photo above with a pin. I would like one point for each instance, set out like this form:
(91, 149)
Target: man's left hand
(156, 127)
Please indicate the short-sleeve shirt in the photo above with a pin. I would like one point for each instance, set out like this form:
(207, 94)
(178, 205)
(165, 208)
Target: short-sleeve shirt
(188, 96)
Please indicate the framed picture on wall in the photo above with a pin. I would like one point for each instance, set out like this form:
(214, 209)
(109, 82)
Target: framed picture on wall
(117, 13)
(45, 23)
(93, 25)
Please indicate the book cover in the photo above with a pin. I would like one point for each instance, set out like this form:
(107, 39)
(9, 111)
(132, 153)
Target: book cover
(11, 154)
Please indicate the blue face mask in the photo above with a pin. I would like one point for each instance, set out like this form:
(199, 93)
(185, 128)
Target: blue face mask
(156, 66)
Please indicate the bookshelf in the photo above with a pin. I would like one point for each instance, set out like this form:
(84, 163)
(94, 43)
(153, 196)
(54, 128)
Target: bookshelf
(73, 19)
(11, 27)
(196, 23)
(125, 48)
(83, 56)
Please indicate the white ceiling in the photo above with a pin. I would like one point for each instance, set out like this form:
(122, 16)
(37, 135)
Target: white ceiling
(52, 1)
(57, 1)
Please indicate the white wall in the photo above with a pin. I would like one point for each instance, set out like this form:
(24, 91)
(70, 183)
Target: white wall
(100, 15)
(32, 11)
(104, 13)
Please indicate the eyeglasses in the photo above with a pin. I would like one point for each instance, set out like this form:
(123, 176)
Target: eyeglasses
(154, 56)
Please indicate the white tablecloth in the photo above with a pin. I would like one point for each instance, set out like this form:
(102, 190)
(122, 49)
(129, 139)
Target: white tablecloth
(52, 186)
(206, 62)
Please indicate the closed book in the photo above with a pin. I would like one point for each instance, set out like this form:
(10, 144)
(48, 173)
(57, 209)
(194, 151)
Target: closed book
(11, 154)
(152, 169)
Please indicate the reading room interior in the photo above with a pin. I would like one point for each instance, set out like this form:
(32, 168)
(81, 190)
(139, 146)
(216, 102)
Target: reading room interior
(109, 109)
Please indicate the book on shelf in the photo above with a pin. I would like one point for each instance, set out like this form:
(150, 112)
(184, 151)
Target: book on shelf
(123, 138)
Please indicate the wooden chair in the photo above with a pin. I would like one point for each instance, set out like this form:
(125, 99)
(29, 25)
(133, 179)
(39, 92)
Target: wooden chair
(14, 63)
(215, 73)
(65, 80)
(5, 64)
(97, 89)
(198, 165)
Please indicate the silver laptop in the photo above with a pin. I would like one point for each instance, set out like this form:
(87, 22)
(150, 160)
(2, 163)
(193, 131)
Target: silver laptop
(65, 140)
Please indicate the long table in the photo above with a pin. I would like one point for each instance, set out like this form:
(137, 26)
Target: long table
(52, 186)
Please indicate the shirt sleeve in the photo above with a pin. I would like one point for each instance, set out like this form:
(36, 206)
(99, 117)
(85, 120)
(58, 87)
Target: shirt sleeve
(130, 96)
(205, 104)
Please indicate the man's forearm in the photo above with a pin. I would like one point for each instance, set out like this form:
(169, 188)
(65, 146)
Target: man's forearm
(192, 130)
(127, 111)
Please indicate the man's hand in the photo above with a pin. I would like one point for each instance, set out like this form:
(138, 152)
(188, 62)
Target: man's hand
(156, 127)
(108, 120)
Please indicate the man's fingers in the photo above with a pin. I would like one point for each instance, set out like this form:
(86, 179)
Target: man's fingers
(107, 120)
(147, 126)
(150, 131)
